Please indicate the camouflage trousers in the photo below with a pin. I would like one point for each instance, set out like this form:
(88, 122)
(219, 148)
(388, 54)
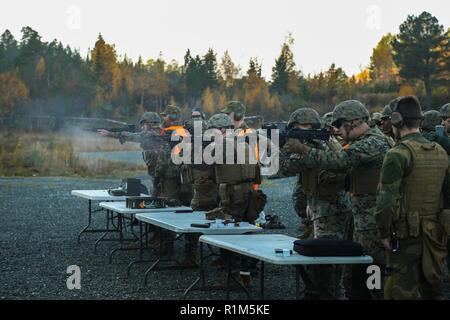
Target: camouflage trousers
(404, 276)
(299, 199)
(204, 199)
(174, 190)
(205, 196)
(327, 279)
(365, 232)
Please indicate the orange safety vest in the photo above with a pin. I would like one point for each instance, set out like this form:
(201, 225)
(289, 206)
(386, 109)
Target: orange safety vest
(244, 132)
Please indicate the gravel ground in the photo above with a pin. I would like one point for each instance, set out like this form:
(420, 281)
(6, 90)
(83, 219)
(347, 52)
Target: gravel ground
(40, 222)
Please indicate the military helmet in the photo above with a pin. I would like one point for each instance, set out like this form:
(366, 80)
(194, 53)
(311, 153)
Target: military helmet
(387, 112)
(445, 111)
(220, 120)
(151, 117)
(304, 116)
(431, 119)
(171, 109)
(202, 114)
(376, 116)
(237, 107)
(328, 118)
(350, 110)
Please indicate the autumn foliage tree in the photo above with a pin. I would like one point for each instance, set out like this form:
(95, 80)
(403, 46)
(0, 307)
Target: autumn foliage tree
(13, 91)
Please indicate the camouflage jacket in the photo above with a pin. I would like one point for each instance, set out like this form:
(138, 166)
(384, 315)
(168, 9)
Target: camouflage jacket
(142, 137)
(149, 149)
(366, 152)
(336, 204)
(395, 168)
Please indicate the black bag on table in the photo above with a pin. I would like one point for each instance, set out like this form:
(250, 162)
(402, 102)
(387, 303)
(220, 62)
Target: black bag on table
(326, 247)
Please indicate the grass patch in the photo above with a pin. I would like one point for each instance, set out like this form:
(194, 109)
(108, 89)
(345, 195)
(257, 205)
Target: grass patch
(53, 154)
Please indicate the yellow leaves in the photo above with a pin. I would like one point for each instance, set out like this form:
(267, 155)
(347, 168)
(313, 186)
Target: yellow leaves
(406, 90)
(363, 76)
(208, 100)
(12, 91)
(382, 64)
(40, 67)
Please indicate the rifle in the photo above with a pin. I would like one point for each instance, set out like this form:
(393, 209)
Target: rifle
(304, 135)
(127, 128)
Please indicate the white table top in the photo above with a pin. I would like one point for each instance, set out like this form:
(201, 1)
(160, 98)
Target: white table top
(97, 195)
(181, 223)
(262, 247)
(120, 207)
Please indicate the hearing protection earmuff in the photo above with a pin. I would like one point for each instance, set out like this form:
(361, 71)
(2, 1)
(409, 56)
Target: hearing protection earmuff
(239, 113)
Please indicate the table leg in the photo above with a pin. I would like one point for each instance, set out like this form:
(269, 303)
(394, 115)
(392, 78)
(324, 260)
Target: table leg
(119, 225)
(89, 221)
(105, 233)
(141, 249)
(262, 280)
(201, 276)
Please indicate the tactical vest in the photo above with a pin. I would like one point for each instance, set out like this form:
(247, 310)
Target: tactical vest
(193, 173)
(322, 184)
(238, 173)
(421, 190)
(248, 131)
(173, 171)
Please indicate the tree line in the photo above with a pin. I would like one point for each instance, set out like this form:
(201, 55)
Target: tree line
(42, 78)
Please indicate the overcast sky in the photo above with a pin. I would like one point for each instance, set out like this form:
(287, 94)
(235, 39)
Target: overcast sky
(343, 32)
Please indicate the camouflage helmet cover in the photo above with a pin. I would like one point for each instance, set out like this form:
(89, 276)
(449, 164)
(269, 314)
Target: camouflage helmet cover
(376, 116)
(235, 106)
(431, 119)
(171, 109)
(350, 110)
(304, 116)
(328, 118)
(445, 110)
(220, 120)
(387, 111)
(152, 117)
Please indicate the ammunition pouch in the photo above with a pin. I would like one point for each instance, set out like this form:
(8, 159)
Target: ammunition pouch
(434, 250)
(234, 197)
(205, 196)
(322, 184)
(172, 172)
(364, 181)
(236, 173)
(444, 219)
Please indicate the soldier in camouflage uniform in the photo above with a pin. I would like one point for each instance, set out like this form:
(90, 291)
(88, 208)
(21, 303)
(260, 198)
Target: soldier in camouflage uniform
(386, 125)
(237, 197)
(363, 159)
(236, 111)
(196, 115)
(329, 205)
(414, 171)
(431, 119)
(168, 173)
(376, 119)
(445, 114)
(150, 125)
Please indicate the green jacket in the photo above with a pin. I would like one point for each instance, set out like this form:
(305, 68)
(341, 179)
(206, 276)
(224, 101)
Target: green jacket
(395, 168)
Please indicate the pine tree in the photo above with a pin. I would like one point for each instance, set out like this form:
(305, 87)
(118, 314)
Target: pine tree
(416, 50)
